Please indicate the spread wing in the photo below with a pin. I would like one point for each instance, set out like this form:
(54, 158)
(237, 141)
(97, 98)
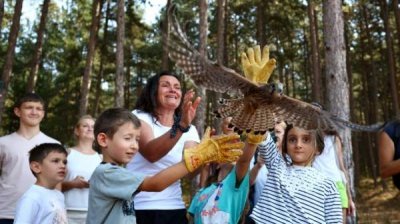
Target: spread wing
(202, 71)
(282, 108)
(308, 116)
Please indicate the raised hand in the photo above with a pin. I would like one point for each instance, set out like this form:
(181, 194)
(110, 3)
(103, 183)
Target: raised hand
(189, 107)
(256, 67)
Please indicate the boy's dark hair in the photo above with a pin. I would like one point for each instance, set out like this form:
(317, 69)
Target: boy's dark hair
(147, 101)
(29, 97)
(110, 120)
(317, 134)
(40, 152)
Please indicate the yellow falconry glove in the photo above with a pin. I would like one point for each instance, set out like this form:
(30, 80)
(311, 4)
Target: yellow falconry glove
(256, 67)
(255, 139)
(221, 149)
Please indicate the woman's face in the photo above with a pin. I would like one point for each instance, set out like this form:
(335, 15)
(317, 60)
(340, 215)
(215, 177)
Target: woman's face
(301, 146)
(85, 129)
(169, 92)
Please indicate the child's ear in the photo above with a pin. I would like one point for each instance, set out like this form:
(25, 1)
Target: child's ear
(35, 167)
(102, 139)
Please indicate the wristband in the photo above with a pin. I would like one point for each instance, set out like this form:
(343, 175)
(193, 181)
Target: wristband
(176, 126)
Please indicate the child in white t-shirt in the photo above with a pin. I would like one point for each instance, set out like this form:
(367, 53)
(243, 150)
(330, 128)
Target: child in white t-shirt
(42, 203)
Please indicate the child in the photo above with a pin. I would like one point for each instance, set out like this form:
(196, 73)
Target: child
(42, 203)
(112, 187)
(225, 200)
(295, 192)
(330, 162)
(14, 151)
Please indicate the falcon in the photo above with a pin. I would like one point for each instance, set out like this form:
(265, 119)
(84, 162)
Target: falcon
(258, 104)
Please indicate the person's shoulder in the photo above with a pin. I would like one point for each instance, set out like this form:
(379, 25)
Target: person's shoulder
(323, 179)
(7, 137)
(8, 141)
(48, 139)
(35, 192)
(144, 116)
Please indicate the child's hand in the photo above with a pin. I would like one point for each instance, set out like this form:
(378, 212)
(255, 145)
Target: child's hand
(255, 138)
(80, 182)
(260, 161)
(350, 211)
(221, 149)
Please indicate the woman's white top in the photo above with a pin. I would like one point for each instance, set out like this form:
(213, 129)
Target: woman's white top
(79, 164)
(171, 197)
(327, 162)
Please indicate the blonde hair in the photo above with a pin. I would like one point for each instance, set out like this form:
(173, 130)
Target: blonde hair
(80, 121)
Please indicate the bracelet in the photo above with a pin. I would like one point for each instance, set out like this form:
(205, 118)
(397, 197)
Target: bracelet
(176, 126)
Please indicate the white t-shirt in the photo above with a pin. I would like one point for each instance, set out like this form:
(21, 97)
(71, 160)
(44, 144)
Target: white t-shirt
(16, 176)
(79, 164)
(40, 205)
(171, 197)
(260, 181)
(327, 162)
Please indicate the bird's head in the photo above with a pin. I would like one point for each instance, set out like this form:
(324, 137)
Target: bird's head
(274, 88)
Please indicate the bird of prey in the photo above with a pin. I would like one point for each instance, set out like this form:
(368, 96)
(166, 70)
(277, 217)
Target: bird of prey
(257, 105)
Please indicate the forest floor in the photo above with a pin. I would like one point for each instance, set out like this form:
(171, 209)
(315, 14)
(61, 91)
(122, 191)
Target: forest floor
(375, 204)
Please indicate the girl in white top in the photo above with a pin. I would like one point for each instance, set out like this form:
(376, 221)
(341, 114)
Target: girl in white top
(330, 162)
(295, 192)
(82, 161)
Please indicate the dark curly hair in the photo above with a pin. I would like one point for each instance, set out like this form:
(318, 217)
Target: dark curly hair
(147, 101)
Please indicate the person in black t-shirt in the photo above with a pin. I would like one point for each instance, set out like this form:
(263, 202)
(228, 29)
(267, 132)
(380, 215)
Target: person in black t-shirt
(389, 152)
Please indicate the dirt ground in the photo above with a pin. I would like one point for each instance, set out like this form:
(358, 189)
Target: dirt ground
(375, 204)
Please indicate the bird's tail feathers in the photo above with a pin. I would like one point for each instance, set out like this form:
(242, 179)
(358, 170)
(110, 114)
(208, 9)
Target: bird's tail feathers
(357, 127)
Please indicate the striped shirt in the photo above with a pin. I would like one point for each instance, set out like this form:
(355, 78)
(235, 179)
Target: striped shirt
(295, 194)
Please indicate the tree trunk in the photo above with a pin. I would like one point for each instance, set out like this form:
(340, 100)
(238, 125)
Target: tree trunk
(220, 51)
(336, 75)
(119, 79)
(316, 82)
(261, 7)
(103, 50)
(397, 16)
(165, 38)
(1, 13)
(9, 59)
(130, 61)
(200, 118)
(38, 49)
(391, 57)
(86, 80)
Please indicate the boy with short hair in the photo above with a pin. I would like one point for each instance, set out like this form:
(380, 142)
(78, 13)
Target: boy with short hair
(112, 187)
(15, 176)
(42, 203)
